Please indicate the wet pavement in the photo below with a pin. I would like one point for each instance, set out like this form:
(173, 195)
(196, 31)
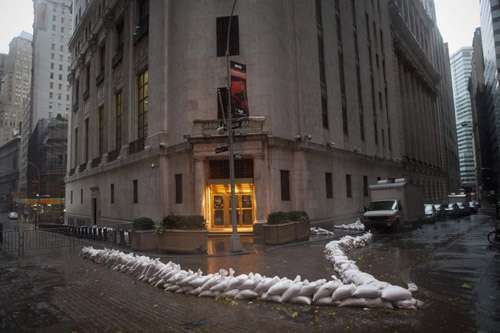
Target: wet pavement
(457, 273)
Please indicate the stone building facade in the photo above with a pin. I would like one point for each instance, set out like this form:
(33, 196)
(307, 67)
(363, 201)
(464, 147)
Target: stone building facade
(8, 174)
(327, 114)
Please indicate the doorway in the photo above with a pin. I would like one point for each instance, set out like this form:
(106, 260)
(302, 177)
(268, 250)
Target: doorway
(220, 207)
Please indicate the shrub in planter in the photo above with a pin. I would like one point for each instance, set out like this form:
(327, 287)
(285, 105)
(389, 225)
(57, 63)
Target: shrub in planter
(191, 222)
(284, 217)
(143, 223)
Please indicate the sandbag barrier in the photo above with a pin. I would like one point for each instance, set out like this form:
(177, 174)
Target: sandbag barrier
(356, 226)
(172, 278)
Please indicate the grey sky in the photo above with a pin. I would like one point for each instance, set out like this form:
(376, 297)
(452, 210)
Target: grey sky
(15, 16)
(457, 20)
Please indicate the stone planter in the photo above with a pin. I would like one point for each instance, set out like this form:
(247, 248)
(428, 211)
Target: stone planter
(275, 234)
(183, 241)
(144, 240)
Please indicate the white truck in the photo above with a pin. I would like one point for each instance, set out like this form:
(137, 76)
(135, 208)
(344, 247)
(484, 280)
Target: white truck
(393, 202)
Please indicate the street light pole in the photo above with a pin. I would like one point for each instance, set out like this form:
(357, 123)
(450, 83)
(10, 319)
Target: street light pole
(235, 242)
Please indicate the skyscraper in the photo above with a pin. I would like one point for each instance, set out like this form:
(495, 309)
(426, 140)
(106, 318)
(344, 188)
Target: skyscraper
(461, 68)
(15, 87)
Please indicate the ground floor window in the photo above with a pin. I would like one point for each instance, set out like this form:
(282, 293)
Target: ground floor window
(285, 185)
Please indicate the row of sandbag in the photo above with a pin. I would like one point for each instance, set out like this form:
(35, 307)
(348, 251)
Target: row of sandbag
(357, 226)
(367, 286)
(224, 283)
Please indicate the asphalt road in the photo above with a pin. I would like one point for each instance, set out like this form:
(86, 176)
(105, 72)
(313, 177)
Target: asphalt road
(456, 271)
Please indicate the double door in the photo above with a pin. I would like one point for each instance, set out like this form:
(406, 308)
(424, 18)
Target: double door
(221, 206)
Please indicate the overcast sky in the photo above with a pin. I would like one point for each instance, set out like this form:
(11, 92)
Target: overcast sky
(457, 20)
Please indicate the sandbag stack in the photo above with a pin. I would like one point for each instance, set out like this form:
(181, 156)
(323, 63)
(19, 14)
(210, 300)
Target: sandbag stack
(346, 292)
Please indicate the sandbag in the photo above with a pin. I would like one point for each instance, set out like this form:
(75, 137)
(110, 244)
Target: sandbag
(247, 294)
(221, 286)
(231, 293)
(366, 291)
(291, 292)
(208, 293)
(311, 288)
(301, 300)
(279, 288)
(396, 293)
(343, 292)
(409, 304)
(324, 301)
(357, 302)
(326, 290)
(248, 284)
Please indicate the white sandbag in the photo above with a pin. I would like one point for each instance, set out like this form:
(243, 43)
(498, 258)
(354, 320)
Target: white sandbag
(355, 302)
(266, 284)
(187, 280)
(247, 294)
(210, 283)
(230, 293)
(377, 303)
(271, 298)
(396, 293)
(366, 291)
(221, 286)
(279, 288)
(236, 282)
(172, 288)
(311, 288)
(183, 290)
(324, 301)
(195, 291)
(199, 281)
(208, 293)
(291, 292)
(301, 300)
(248, 284)
(409, 304)
(343, 292)
(326, 290)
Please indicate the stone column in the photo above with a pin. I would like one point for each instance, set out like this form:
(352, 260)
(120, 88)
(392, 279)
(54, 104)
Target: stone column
(263, 188)
(199, 187)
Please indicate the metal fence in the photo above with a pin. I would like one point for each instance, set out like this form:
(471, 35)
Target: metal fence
(23, 241)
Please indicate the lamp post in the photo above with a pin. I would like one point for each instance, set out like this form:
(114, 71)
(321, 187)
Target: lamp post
(235, 242)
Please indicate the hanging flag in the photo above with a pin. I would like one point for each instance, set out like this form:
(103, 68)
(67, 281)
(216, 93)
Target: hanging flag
(239, 98)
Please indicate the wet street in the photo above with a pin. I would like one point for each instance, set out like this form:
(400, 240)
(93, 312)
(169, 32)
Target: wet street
(457, 273)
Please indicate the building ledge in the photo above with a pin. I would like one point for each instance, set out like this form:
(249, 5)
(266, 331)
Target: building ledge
(215, 128)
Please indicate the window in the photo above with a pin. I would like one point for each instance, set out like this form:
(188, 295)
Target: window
(51, 75)
(87, 78)
(348, 186)
(365, 186)
(101, 130)
(285, 185)
(102, 59)
(178, 188)
(321, 60)
(118, 120)
(76, 146)
(329, 185)
(234, 38)
(71, 197)
(142, 15)
(112, 193)
(86, 140)
(51, 85)
(77, 91)
(143, 107)
(53, 46)
(119, 36)
(81, 196)
(135, 191)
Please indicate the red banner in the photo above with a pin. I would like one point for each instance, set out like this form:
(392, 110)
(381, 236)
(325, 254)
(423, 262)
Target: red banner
(239, 98)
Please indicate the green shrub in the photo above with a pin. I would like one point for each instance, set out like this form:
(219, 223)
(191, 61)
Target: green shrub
(188, 222)
(284, 217)
(143, 223)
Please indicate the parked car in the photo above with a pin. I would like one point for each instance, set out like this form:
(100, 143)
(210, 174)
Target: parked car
(12, 216)
(440, 210)
(430, 213)
(452, 210)
(464, 208)
(474, 206)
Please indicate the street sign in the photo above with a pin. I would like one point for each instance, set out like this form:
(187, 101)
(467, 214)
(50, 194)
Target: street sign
(221, 149)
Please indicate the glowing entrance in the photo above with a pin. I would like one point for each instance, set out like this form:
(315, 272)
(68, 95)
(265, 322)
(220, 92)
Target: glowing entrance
(220, 207)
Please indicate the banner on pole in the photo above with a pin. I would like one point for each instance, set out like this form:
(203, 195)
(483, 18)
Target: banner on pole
(239, 98)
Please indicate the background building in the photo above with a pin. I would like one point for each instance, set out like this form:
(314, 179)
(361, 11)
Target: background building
(16, 83)
(490, 34)
(8, 174)
(50, 90)
(461, 68)
(143, 126)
